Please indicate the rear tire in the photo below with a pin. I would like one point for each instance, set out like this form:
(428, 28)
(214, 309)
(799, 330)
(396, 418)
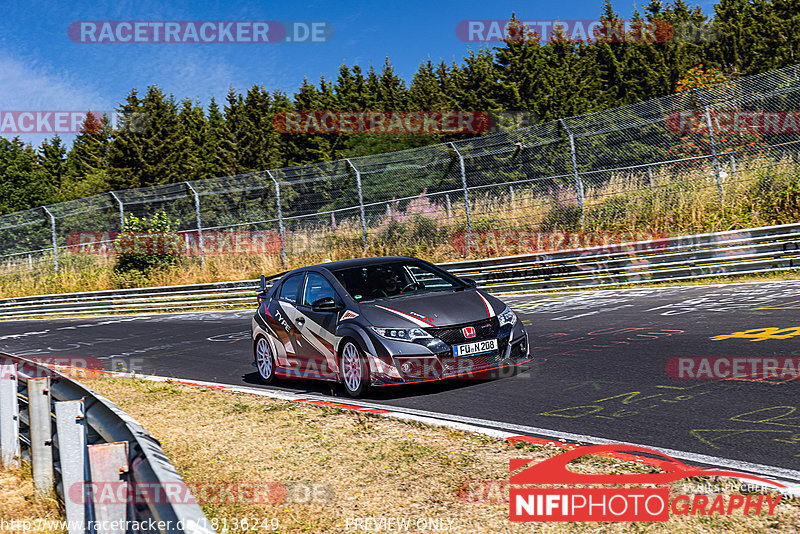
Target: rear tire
(265, 360)
(354, 370)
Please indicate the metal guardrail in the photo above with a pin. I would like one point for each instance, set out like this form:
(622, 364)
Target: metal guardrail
(718, 254)
(77, 442)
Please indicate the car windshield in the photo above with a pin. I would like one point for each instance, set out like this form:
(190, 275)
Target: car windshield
(390, 280)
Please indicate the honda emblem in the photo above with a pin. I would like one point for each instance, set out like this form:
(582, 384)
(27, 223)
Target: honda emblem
(468, 331)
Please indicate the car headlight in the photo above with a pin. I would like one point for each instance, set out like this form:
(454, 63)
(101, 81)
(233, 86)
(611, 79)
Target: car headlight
(507, 317)
(402, 334)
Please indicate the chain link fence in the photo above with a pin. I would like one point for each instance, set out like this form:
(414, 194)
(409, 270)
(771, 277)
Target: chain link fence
(716, 158)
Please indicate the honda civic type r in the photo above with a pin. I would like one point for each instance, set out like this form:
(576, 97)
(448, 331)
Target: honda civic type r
(382, 322)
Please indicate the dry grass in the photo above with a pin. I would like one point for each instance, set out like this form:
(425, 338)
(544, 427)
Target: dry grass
(19, 503)
(762, 192)
(376, 467)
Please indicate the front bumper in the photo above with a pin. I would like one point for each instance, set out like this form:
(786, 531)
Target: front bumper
(409, 363)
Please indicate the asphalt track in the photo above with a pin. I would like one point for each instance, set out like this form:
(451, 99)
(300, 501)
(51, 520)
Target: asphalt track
(600, 368)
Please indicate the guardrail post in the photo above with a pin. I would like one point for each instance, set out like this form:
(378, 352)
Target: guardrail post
(713, 144)
(41, 425)
(280, 217)
(53, 237)
(108, 463)
(360, 201)
(121, 211)
(465, 189)
(9, 414)
(199, 224)
(578, 180)
(71, 431)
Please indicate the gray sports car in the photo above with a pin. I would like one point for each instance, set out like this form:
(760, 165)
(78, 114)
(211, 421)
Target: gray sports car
(382, 322)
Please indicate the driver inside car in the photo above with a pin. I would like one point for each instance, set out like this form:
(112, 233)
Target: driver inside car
(387, 283)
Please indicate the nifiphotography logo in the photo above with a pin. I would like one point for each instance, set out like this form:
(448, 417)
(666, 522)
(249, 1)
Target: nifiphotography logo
(576, 497)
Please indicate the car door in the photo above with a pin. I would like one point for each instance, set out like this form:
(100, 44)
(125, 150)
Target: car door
(317, 330)
(283, 309)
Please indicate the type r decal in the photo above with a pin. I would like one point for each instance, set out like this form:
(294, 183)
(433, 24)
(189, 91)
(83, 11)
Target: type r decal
(283, 322)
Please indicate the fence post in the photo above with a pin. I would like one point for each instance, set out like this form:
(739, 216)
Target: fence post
(53, 237)
(650, 176)
(733, 164)
(360, 201)
(41, 433)
(713, 144)
(280, 217)
(71, 431)
(199, 224)
(9, 414)
(578, 180)
(464, 187)
(121, 211)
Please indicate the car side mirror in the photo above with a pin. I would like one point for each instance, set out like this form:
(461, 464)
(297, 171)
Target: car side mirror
(261, 294)
(325, 304)
(470, 282)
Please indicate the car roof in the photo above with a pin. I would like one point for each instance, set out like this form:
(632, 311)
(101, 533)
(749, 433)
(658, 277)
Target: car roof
(359, 262)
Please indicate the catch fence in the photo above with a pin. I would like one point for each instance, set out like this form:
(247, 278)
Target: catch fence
(710, 159)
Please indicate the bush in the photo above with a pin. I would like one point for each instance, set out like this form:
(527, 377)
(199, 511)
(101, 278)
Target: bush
(146, 245)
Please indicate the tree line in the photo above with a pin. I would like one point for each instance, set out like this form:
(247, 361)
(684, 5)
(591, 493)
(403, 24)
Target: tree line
(160, 139)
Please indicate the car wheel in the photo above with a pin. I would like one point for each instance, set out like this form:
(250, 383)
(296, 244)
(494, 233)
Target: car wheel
(354, 370)
(265, 361)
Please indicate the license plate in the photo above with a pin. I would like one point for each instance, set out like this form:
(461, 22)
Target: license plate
(474, 348)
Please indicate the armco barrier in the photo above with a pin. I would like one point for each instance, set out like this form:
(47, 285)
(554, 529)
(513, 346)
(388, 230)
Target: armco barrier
(690, 257)
(71, 435)
(735, 252)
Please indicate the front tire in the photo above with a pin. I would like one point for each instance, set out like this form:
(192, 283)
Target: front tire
(354, 370)
(265, 360)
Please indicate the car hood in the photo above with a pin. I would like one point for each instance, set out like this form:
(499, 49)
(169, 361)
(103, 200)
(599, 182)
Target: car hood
(444, 308)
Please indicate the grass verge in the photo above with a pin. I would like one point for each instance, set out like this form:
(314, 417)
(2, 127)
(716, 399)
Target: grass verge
(21, 509)
(360, 465)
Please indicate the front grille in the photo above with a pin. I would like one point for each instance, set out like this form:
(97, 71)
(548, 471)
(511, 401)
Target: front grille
(470, 364)
(453, 335)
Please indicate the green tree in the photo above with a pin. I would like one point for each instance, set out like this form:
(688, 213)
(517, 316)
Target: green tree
(25, 184)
